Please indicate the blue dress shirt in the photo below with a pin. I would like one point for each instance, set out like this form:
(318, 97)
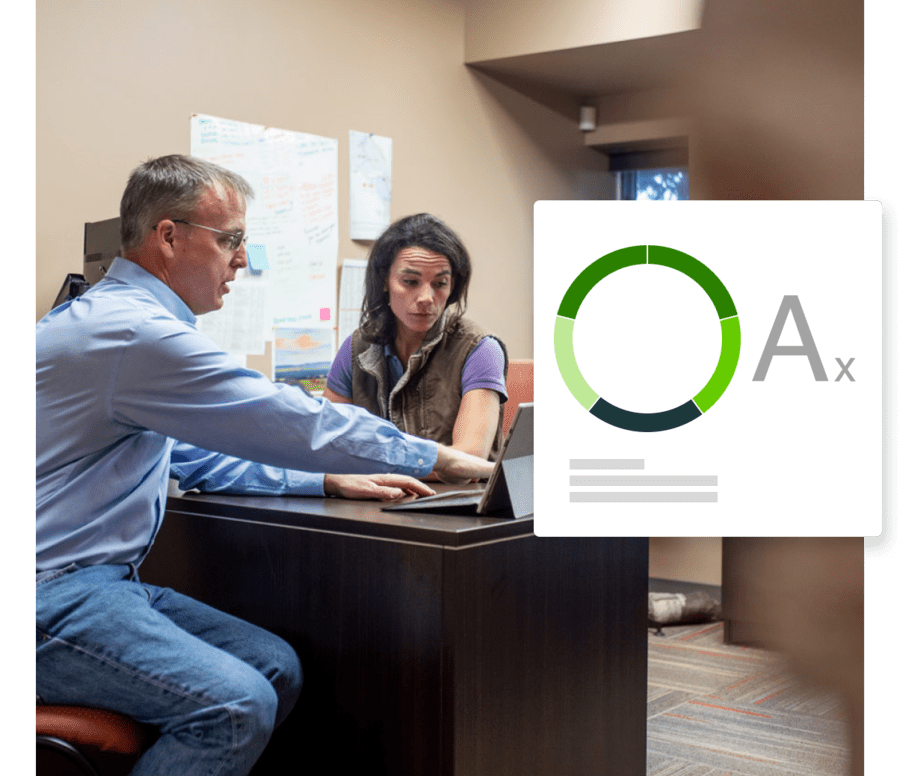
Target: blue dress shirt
(122, 373)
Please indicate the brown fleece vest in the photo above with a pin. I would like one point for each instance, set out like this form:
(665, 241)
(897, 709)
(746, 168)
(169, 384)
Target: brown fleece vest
(425, 401)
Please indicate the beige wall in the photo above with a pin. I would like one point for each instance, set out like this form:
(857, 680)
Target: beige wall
(118, 82)
(687, 559)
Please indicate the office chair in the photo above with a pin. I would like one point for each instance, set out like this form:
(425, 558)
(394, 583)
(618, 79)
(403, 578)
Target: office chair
(79, 741)
(519, 388)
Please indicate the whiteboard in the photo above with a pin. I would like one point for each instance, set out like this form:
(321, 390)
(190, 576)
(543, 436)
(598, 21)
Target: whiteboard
(293, 215)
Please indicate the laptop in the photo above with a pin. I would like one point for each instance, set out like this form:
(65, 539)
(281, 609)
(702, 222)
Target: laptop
(510, 490)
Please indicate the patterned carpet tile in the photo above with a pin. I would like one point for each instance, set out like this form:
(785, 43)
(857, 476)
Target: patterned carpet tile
(660, 765)
(744, 739)
(704, 633)
(700, 669)
(662, 699)
(708, 636)
(779, 690)
(720, 710)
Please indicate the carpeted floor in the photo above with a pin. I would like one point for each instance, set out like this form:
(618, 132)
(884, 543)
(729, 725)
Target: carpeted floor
(717, 710)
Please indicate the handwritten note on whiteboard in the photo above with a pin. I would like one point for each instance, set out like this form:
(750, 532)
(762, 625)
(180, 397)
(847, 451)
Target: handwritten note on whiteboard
(294, 216)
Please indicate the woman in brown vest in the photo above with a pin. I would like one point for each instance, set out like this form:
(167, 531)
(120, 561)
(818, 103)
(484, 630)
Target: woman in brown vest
(415, 359)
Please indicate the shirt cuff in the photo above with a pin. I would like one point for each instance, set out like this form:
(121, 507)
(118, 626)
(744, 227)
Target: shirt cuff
(304, 483)
(423, 455)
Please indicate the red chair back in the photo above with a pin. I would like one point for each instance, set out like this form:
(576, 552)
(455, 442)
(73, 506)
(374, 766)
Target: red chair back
(519, 388)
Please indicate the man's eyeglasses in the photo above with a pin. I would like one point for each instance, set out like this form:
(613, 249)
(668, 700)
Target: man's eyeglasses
(237, 238)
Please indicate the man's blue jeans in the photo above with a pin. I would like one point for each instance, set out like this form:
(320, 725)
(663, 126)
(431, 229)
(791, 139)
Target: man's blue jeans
(214, 685)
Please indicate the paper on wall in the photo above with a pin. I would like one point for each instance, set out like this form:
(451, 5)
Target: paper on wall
(370, 185)
(353, 277)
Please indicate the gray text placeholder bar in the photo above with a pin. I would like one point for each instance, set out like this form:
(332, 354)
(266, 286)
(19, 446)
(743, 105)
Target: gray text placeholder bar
(598, 497)
(606, 463)
(644, 479)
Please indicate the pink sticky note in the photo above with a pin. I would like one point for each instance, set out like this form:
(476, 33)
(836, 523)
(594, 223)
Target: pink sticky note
(324, 313)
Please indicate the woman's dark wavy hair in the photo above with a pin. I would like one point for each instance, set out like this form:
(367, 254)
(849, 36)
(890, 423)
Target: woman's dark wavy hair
(423, 230)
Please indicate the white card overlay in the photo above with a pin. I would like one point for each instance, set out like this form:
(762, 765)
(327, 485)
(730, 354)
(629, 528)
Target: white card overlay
(708, 368)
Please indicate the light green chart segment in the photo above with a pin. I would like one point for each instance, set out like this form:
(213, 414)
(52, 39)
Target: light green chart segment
(563, 342)
(563, 335)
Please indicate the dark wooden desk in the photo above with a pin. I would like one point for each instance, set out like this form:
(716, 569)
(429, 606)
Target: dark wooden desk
(431, 645)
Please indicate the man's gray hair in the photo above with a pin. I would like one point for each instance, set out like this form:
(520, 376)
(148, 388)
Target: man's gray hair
(170, 187)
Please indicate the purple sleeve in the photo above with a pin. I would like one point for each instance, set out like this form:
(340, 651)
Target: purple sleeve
(340, 376)
(484, 368)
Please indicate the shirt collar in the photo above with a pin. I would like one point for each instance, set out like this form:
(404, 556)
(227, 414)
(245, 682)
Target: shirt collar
(432, 337)
(128, 272)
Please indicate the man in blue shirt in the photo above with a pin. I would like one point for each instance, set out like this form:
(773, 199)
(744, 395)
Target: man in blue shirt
(122, 373)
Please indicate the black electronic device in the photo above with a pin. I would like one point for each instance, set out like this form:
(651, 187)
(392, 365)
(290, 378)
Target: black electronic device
(510, 490)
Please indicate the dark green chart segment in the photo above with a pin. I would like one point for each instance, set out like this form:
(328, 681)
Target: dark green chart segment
(635, 255)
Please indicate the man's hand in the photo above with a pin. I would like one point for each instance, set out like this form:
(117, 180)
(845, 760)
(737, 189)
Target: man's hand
(384, 487)
(456, 467)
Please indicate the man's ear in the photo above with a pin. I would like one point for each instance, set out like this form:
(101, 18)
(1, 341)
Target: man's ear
(165, 237)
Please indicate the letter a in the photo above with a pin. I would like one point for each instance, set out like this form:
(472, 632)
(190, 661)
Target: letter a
(790, 304)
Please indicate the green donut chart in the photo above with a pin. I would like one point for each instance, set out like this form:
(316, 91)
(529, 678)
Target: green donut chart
(563, 343)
